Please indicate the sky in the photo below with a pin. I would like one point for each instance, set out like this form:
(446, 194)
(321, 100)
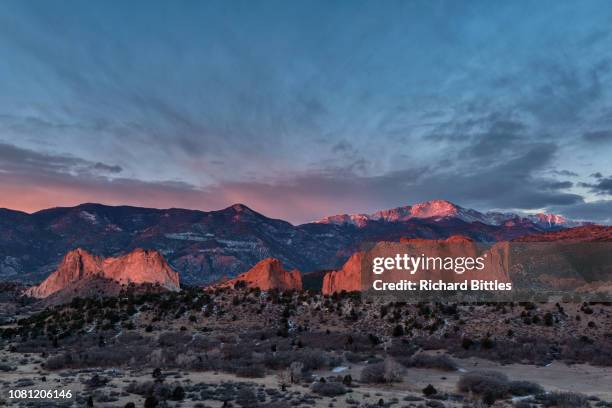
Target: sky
(304, 109)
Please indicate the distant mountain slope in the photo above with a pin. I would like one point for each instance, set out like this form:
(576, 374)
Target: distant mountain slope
(588, 233)
(205, 246)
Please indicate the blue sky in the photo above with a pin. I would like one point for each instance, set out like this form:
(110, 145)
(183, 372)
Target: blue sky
(305, 109)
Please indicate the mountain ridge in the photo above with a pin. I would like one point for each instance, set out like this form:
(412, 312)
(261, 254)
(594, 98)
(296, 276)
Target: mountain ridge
(446, 209)
(204, 246)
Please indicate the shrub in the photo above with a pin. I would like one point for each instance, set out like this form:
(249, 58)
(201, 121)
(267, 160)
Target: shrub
(487, 343)
(234, 351)
(278, 360)
(168, 339)
(347, 380)
(328, 389)
(246, 397)
(56, 362)
(277, 404)
(387, 371)
(523, 388)
(250, 371)
(131, 338)
(563, 400)
(429, 390)
(354, 357)
(98, 357)
(311, 359)
(548, 319)
(440, 362)
(157, 373)
(490, 383)
(150, 402)
(466, 343)
(178, 394)
(156, 389)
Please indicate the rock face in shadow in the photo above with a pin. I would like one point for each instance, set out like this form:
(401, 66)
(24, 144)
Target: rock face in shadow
(357, 274)
(79, 268)
(268, 274)
(568, 262)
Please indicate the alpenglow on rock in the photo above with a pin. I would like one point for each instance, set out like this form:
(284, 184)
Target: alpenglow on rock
(268, 274)
(138, 267)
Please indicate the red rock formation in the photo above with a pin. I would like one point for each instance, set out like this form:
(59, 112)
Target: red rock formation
(268, 274)
(348, 278)
(141, 266)
(79, 266)
(357, 275)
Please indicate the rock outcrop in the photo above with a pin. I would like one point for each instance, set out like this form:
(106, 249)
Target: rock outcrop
(357, 275)
(267, 274)
(348, 278)
(80, 267)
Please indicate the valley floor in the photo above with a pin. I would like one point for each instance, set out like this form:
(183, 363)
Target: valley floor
(110, 387)
(249, 348)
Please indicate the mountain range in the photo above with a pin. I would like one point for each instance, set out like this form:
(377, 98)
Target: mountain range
(442, 209)
(205, 247)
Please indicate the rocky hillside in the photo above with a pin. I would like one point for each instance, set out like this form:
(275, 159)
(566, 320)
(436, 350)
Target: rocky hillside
(589, 233)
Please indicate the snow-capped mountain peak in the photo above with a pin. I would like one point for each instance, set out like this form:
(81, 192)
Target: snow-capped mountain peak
(443, 209)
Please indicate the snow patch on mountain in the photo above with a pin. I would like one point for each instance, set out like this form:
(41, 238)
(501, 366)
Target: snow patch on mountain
(92, 218)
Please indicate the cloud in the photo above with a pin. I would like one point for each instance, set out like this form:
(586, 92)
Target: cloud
(566, 173)
(563, 91)
(107, 168)
(598, 136)
(597, 211)
(559, 185)
(22, 161)
(603, 186)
